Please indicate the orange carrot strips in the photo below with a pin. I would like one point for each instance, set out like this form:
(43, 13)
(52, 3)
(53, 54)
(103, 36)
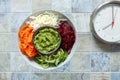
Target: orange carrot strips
(25, 41)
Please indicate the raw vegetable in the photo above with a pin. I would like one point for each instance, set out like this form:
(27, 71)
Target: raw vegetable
(46, 39)
(67, 34)
(51, 60)
(44, 19)
(25, 41)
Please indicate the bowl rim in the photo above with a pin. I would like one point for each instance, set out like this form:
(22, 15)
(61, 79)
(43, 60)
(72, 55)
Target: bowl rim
(37, 66)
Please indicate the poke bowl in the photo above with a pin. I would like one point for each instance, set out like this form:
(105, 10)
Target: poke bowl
(47, 39)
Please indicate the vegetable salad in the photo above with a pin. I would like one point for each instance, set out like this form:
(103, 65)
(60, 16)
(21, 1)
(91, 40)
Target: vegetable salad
(47, 39)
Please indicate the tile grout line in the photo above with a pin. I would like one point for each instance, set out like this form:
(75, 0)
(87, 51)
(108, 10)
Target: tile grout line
(61, 72)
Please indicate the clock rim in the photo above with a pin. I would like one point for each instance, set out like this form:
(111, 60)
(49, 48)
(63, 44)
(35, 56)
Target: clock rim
(92, 20)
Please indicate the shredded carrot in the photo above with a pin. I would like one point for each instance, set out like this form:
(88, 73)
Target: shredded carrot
(25, 41)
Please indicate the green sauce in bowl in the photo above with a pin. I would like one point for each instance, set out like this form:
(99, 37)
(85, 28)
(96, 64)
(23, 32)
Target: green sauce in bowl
(46, 40)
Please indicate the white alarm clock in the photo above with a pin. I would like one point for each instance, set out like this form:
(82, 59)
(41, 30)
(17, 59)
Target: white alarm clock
(105, 22)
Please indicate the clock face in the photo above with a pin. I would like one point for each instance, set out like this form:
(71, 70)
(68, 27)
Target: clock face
(106, 22)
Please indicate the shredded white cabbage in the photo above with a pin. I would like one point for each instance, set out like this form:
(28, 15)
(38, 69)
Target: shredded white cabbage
(45, 19)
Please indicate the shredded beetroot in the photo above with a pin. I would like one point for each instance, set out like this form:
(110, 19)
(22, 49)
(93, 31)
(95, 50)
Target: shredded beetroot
(67, 34)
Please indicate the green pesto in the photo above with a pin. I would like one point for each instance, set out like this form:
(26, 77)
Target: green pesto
(46, 40)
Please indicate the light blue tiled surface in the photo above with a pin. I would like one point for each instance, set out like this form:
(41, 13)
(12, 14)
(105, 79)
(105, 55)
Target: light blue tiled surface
(21, 5)
(90, 56)
(80, 76)
(115, 76)
(4, 62)
(81, 21)
(40, 76)
(62, 6)
(80, 62)
(38, 5)
(18, 64)
(115, 62)
(14, 42)
(59, 76)
(85, 41)
(81, 6)
(5, 5)
(20, 76)
(98, 46)
(64, 68)
(15, 20)
(5, 76)
(100, 62)
(100, 76)
(4, 23)
(5, 42)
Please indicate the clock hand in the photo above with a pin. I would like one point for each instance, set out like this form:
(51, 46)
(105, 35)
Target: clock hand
(107, 26)
(114, 17)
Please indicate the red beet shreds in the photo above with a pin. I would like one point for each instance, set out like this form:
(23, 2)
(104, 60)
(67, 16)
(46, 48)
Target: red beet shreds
(67, 34)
